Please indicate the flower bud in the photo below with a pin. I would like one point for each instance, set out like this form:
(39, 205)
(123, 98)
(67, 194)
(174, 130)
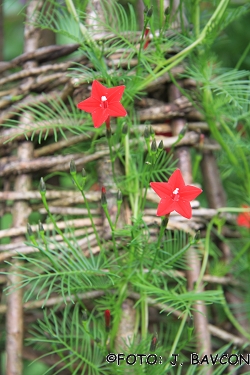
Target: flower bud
(183, 132)
(84, 316)
(84, 174)
(103, 197)
(107, 319)
(42, 186)
(153, 343)
(167, 11)
(72, 167)
(119, 196)
(153, 146)
(146, 133)
(151, 131)
(149, 12)
(197, 236)
(40, 227)
(29, 230)
(160, 146)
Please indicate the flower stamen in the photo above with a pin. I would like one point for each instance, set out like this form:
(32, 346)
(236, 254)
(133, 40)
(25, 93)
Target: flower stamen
(104, 101)
(176, 195)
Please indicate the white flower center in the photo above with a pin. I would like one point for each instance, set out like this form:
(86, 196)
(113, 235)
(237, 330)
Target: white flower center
(176, 191)
(103, 99)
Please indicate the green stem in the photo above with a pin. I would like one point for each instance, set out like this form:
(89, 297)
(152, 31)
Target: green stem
(196, 18)
(44, 200)
(175, 60)
(105, 209)
(243, 56)
(120, 299)
(210, 117)
(232, 319)
(108, 134)
(80, 188)
(242, 157)
(144, 316)
(177, 337)
(72, 10)
(206, 254)
(164, 224)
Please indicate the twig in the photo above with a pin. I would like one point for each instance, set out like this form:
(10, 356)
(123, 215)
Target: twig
(77, 223)
(61, 162)
(51, 194)
(36, 71)
(41, 54)
(57, 300)
(29, 100)
(46, 150)
(14, 318)
(169, 111)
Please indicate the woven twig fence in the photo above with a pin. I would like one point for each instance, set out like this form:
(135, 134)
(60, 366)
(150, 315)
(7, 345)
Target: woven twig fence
(40, 75)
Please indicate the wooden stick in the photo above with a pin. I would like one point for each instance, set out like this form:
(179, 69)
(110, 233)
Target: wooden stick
(41, 54)
(21, 230)
(35, 71)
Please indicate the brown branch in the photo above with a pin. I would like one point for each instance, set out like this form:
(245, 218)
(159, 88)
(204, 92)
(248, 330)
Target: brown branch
(61, 162)
(41, 54)
(50, 149)
(21, 230)
(57, 300)
(28, 100)
(50, 194)
(14, 316)
(36, 71)
(169, 111)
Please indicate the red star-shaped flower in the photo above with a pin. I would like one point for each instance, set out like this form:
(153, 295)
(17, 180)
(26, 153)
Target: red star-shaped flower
(175, 195)
(103, 103)
(243, 218)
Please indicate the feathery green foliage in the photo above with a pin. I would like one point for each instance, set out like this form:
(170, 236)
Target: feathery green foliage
(141, 260)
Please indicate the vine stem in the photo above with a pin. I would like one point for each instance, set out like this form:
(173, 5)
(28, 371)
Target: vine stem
(177, 337)
(164, 224)
(175, 60)
(108, 134)
(80, 188)
(45, 203)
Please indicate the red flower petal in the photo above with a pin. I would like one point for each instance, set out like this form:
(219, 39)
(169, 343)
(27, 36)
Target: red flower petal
(116, 109)
(162, 189)
(107, 318)
(89, 105)
(166, 206)
(175, 195)
(189, 192)
(99, 116)
(115, 93)
(184, 208)
(98, 90)
(176, 180)
(243, 218)
(95, 104)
